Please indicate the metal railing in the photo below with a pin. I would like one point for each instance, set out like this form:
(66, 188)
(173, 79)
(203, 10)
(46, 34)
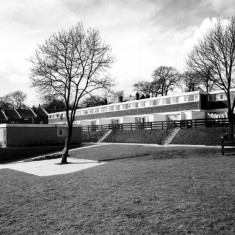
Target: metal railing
(193, 123)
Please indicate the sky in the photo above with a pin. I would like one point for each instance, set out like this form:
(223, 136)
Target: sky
(143, 34)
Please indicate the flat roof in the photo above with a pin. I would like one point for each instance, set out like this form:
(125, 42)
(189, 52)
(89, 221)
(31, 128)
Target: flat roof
(36, 125)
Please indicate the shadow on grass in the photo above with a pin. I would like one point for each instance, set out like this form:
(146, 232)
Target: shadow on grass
(121, 158)
(73, 163)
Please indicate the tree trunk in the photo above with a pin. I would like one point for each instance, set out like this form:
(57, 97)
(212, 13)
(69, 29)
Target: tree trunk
(66, 146)
(230, 120)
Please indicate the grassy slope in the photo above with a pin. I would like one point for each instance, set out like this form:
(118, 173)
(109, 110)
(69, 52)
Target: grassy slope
(137, 136)
(92, 136)
(203, 136)
(169, 190)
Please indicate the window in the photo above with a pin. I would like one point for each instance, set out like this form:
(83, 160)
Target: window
(221, 97)
(168, 100)
(175, 100)
(104, 109)
(85, 112)
(117, 107)
(142, 104)
(96, 110)
(111, 108)
(163, 101)
(196, 97)
(61, 132)
(115, 121)
(125, 106)
(135, 105)
(155, 102)
(91, 111)
(191, 98)
(212, 97)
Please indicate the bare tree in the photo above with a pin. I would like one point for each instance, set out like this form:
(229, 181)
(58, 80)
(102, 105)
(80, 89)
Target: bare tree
(216, 53)
(148, 88)
(70, 65)
(14, 99)
(93, 101)
(18, 98)
(167, 79)
(195, 81)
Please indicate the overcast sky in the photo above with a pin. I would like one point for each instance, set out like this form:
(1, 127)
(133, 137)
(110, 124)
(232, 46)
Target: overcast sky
(143, 34)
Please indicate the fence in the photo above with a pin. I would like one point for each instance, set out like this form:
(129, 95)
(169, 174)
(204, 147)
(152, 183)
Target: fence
(193, 123)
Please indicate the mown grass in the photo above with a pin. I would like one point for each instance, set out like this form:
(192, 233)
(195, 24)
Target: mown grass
(141, 190)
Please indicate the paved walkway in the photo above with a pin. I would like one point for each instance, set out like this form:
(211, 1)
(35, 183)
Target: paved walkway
(51, 167)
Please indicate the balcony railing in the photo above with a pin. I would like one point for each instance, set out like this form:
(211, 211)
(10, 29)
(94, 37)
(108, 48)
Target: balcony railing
(193, 123)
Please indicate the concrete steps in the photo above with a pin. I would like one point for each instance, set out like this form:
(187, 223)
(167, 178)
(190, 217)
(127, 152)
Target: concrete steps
(107, 133)
(171, 136)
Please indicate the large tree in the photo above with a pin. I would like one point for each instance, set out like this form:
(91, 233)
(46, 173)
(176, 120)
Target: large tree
(93, 100)
(70, 65)
(14, 99)
(167, 78)
(147, 88)
(53, 104)
(216, 53)
(194, 81)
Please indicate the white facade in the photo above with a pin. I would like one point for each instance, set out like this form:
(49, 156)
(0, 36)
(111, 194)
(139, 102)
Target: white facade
(97, 115)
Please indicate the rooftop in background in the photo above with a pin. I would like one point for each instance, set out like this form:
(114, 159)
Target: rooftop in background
(37, 115)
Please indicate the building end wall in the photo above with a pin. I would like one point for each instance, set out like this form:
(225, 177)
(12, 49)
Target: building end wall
(39, 135)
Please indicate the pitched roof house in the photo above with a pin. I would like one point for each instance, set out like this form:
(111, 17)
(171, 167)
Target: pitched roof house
(24, 116)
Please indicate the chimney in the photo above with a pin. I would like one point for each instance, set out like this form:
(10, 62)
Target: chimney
(105, 101)
(120, 98)
(137, 96)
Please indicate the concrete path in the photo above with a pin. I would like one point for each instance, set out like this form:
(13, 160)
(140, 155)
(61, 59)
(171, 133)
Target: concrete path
(51, 167)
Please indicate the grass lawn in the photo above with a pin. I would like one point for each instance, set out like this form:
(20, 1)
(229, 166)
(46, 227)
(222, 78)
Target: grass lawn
(141, 190)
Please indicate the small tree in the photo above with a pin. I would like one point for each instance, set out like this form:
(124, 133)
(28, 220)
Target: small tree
(70, 65)
(167, 79)
(215, 54)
